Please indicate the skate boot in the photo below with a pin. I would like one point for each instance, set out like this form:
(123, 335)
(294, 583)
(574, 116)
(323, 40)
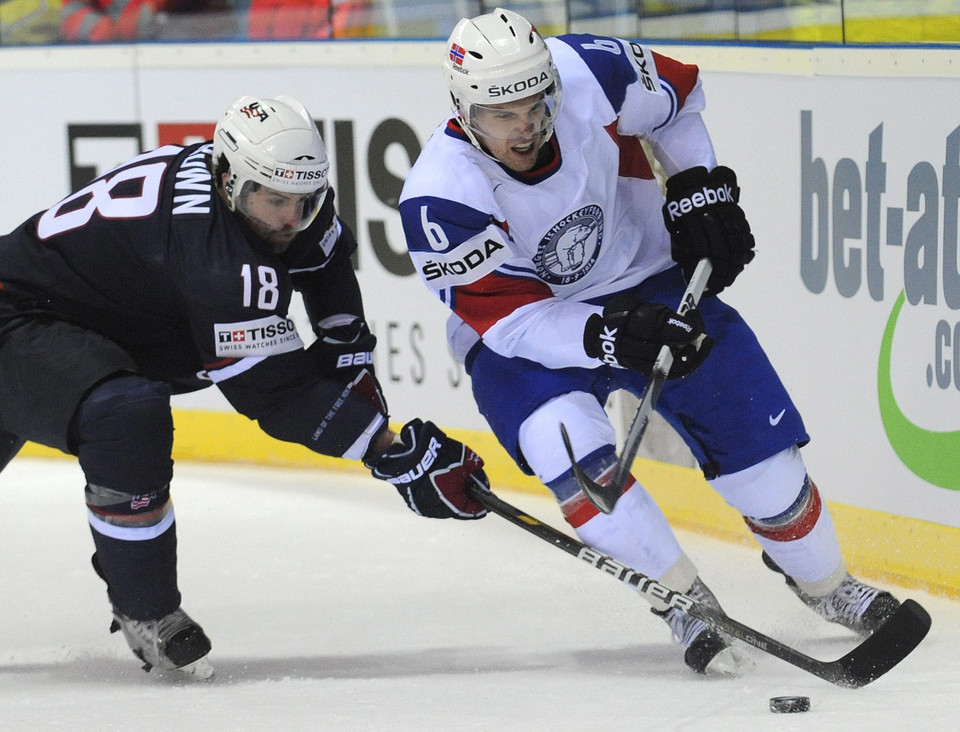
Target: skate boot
(705, 650)
(854, 605)
(173, 643)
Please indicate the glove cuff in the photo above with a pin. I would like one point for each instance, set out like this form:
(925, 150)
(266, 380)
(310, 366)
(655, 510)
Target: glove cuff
(683, 181)
(591, 336)
(345, 333)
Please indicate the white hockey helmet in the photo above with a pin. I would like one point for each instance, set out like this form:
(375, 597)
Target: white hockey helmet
(497, 58)
(273, 143)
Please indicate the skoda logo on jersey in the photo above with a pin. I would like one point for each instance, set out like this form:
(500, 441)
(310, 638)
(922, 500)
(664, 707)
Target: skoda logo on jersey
(571, 247)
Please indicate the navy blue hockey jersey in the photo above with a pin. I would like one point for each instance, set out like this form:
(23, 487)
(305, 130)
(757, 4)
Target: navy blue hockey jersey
(151, 257)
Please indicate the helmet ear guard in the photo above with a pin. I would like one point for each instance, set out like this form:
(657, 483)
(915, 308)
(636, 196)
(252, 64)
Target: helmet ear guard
(273, 143)
(499, 58)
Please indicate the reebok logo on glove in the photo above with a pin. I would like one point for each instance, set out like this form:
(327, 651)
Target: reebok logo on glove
(608, 344)
(703, 216)
(631, 333)
(700, 199)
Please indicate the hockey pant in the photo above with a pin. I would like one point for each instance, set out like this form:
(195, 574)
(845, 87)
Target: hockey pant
(74, 390)
(9, 447)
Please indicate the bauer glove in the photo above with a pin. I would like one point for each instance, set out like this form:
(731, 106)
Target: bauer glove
(431, 471)
(345, 353)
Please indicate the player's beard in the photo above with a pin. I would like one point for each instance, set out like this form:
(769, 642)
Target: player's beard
(278, 239)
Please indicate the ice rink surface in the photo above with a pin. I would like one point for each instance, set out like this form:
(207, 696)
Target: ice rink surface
(332, 607)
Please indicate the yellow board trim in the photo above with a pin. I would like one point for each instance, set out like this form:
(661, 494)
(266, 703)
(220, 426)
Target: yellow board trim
(881, 546)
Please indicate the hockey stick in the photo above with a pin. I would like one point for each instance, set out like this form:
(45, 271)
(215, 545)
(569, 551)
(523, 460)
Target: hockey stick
(872, 658)
(605, 496)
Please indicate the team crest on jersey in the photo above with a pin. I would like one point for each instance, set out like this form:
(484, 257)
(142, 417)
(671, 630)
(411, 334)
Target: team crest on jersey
(571, 247)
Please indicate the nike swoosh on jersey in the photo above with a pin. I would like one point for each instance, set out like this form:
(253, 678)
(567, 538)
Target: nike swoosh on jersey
(774, 421)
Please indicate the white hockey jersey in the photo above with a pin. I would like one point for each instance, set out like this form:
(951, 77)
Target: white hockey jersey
(517, 256)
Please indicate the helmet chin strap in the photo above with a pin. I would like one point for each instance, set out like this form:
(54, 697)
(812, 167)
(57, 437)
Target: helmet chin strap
(472, 135)
(229, 191)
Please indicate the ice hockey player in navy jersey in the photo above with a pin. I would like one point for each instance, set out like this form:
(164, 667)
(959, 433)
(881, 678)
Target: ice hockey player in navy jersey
(534, 213)
(172, 272)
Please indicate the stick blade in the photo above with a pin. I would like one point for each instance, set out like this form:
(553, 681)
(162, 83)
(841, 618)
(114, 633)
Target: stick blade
(889, 645)
(604, 497)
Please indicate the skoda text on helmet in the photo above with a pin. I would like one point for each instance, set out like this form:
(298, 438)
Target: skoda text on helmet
(495, 59)
(272, 143)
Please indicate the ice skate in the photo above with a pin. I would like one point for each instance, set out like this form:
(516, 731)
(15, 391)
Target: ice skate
(854, 605)
(173, 643)
(705, 650)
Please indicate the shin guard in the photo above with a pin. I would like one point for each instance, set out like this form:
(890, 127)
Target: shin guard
(123, 433)
(803, 538)
(136, 551)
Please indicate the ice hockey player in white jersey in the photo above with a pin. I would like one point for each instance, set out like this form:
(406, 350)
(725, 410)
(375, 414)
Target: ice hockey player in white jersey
(534, 213)
(174, 272)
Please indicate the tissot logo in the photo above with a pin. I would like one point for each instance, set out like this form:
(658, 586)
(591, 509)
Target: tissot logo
(234, 336)
(261, 337)
(303, 175)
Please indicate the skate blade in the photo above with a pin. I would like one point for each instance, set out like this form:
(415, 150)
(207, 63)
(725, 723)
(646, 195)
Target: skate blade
(201, 669)
(731, 662)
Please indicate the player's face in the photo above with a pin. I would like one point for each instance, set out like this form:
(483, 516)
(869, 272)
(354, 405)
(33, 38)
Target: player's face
(275, 216)
(512, 132)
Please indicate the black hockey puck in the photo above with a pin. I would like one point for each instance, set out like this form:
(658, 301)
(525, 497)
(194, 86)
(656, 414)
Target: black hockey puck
(789, 704)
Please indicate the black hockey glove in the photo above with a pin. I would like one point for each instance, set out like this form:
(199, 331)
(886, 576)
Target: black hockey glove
(345, 354)
(430, 471)
(704, 220)
(630, 334)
